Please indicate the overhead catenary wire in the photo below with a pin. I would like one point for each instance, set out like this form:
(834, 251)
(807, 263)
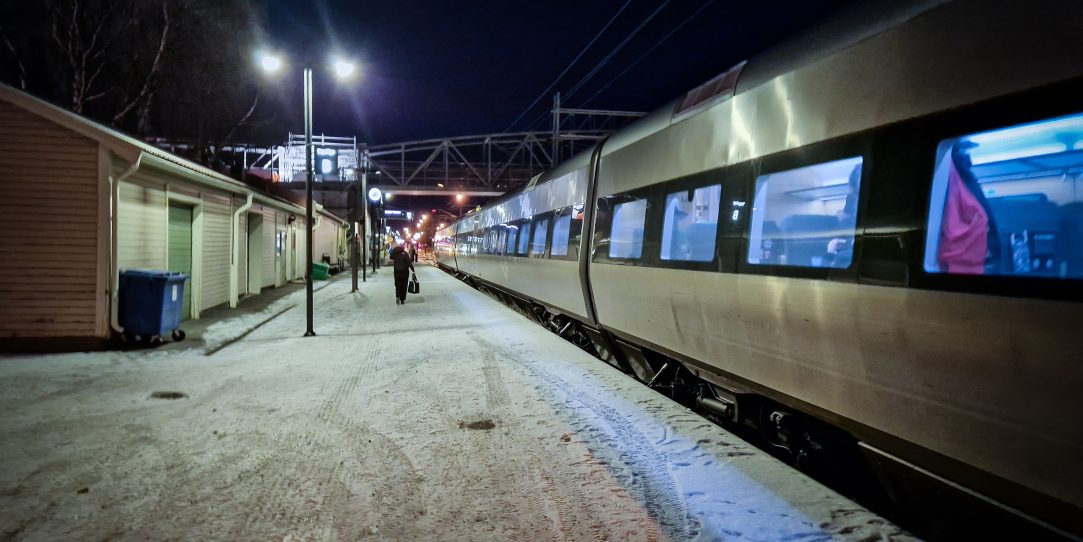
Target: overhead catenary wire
(616, 50)
(648, 52)
(604, 61)
(569, 66)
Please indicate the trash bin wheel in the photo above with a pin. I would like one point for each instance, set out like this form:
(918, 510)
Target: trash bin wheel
(178, 334)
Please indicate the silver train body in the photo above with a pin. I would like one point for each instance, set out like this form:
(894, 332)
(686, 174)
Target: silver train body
(973, 380)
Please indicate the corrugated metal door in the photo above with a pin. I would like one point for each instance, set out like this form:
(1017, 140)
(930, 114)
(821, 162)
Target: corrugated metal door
(180, 250)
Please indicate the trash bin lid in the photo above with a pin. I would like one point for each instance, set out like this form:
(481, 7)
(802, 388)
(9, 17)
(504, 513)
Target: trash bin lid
(152, 273)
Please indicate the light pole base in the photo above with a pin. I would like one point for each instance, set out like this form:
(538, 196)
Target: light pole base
(310, 334)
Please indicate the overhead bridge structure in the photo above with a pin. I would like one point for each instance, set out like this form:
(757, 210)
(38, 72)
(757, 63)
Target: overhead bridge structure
(474, 165)
(478, 164)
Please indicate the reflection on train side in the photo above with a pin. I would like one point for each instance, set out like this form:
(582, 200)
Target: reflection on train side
(1009, 202)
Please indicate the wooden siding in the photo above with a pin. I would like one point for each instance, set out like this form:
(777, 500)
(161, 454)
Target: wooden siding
(216, 249)
(142, 218)
(49, 218)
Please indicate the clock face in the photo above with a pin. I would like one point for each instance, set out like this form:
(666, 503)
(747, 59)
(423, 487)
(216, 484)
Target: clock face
(374, 194)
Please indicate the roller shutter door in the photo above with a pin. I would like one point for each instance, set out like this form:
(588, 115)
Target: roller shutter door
(180, 250)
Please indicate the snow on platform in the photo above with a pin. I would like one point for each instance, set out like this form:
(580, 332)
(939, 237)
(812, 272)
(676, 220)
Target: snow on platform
(448, 418)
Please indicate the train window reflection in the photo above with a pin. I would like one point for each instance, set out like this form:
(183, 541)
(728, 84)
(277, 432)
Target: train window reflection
(512, 231)
(561, 228)
(1009, 202)
(567, 231)
(806, 216)
(537, 244)
(626, 239)
(688, 232)
(524, 238)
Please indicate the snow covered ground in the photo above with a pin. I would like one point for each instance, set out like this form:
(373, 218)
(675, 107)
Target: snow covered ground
(448, 418)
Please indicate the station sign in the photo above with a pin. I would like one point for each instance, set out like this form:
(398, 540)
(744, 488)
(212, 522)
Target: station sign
(327, 161)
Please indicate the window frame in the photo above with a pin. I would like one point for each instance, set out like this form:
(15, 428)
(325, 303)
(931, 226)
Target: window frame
(812, 155)
(522, 227)
(547, 216)
(569, 211)
(603, 227)
(684, 184)
(1049, 102)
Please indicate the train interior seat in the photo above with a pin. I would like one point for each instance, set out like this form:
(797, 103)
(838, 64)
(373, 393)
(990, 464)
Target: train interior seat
(805, 238)
(770, 243)
(701, 241)
(1028, 230)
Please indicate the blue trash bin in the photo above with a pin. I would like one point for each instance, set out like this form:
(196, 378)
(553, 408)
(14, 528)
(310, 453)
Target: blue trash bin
(151, 302)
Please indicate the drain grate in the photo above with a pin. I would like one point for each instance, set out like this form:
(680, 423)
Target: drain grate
(169, 395)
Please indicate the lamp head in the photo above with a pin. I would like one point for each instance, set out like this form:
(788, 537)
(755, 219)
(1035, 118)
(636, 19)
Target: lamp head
(343, 68)
(270, 62)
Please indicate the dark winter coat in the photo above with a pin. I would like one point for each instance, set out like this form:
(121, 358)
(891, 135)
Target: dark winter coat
(403, 262)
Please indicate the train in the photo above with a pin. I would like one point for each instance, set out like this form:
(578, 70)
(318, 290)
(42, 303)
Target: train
(873, 230)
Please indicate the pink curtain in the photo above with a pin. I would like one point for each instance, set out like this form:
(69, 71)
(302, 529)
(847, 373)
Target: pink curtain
(964, 233)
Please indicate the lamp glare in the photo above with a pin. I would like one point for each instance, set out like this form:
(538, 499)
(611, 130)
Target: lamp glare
(343, 69)
(270, 63)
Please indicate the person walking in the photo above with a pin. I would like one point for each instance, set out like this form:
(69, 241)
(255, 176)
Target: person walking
(404, 265)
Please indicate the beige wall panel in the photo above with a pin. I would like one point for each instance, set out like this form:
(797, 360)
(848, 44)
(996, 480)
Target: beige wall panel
(324, 241)
(141, 234)
(48, 213)
(216, 249)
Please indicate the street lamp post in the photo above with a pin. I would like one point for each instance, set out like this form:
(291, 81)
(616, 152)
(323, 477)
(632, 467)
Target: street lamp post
(343, 69)
(309, 173)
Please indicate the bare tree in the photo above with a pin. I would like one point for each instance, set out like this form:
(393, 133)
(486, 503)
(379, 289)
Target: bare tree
(88, 34)
(143, 96)
(19, 66)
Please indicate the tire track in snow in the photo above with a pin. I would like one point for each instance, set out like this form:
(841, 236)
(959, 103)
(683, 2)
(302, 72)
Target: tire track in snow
(626, 451)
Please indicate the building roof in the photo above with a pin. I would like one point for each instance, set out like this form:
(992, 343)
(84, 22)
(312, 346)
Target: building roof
(131, 149)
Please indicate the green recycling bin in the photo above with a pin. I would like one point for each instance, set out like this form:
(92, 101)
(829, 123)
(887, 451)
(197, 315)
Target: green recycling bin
(320, 270)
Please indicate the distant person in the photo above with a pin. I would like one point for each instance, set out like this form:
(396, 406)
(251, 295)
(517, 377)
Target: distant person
(413, 252)
(404, 265)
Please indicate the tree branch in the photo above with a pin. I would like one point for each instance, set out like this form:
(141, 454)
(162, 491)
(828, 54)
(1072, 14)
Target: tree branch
(155, 65)
(15, 55)
(229, 136)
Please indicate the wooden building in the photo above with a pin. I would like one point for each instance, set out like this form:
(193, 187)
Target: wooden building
(79, 202)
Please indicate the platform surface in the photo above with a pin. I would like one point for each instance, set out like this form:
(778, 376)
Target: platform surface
(448, 418)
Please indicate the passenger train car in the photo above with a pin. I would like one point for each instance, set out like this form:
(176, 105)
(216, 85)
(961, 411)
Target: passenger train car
(877, 226)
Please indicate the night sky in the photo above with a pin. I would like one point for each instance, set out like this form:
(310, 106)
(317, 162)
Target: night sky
(445, 68)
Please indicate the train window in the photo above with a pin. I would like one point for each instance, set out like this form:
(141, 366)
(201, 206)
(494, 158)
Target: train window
(626, 239)
(1009, 202)
(690, 224)
(524, 239)
(562, 227)
(806, 216)
(513, 230)
(537, 244)
(567, 232)
(501, 239)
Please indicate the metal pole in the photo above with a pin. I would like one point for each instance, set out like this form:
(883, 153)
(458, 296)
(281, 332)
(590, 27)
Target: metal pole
(308, 200)
(365, 221)
(353, 251)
